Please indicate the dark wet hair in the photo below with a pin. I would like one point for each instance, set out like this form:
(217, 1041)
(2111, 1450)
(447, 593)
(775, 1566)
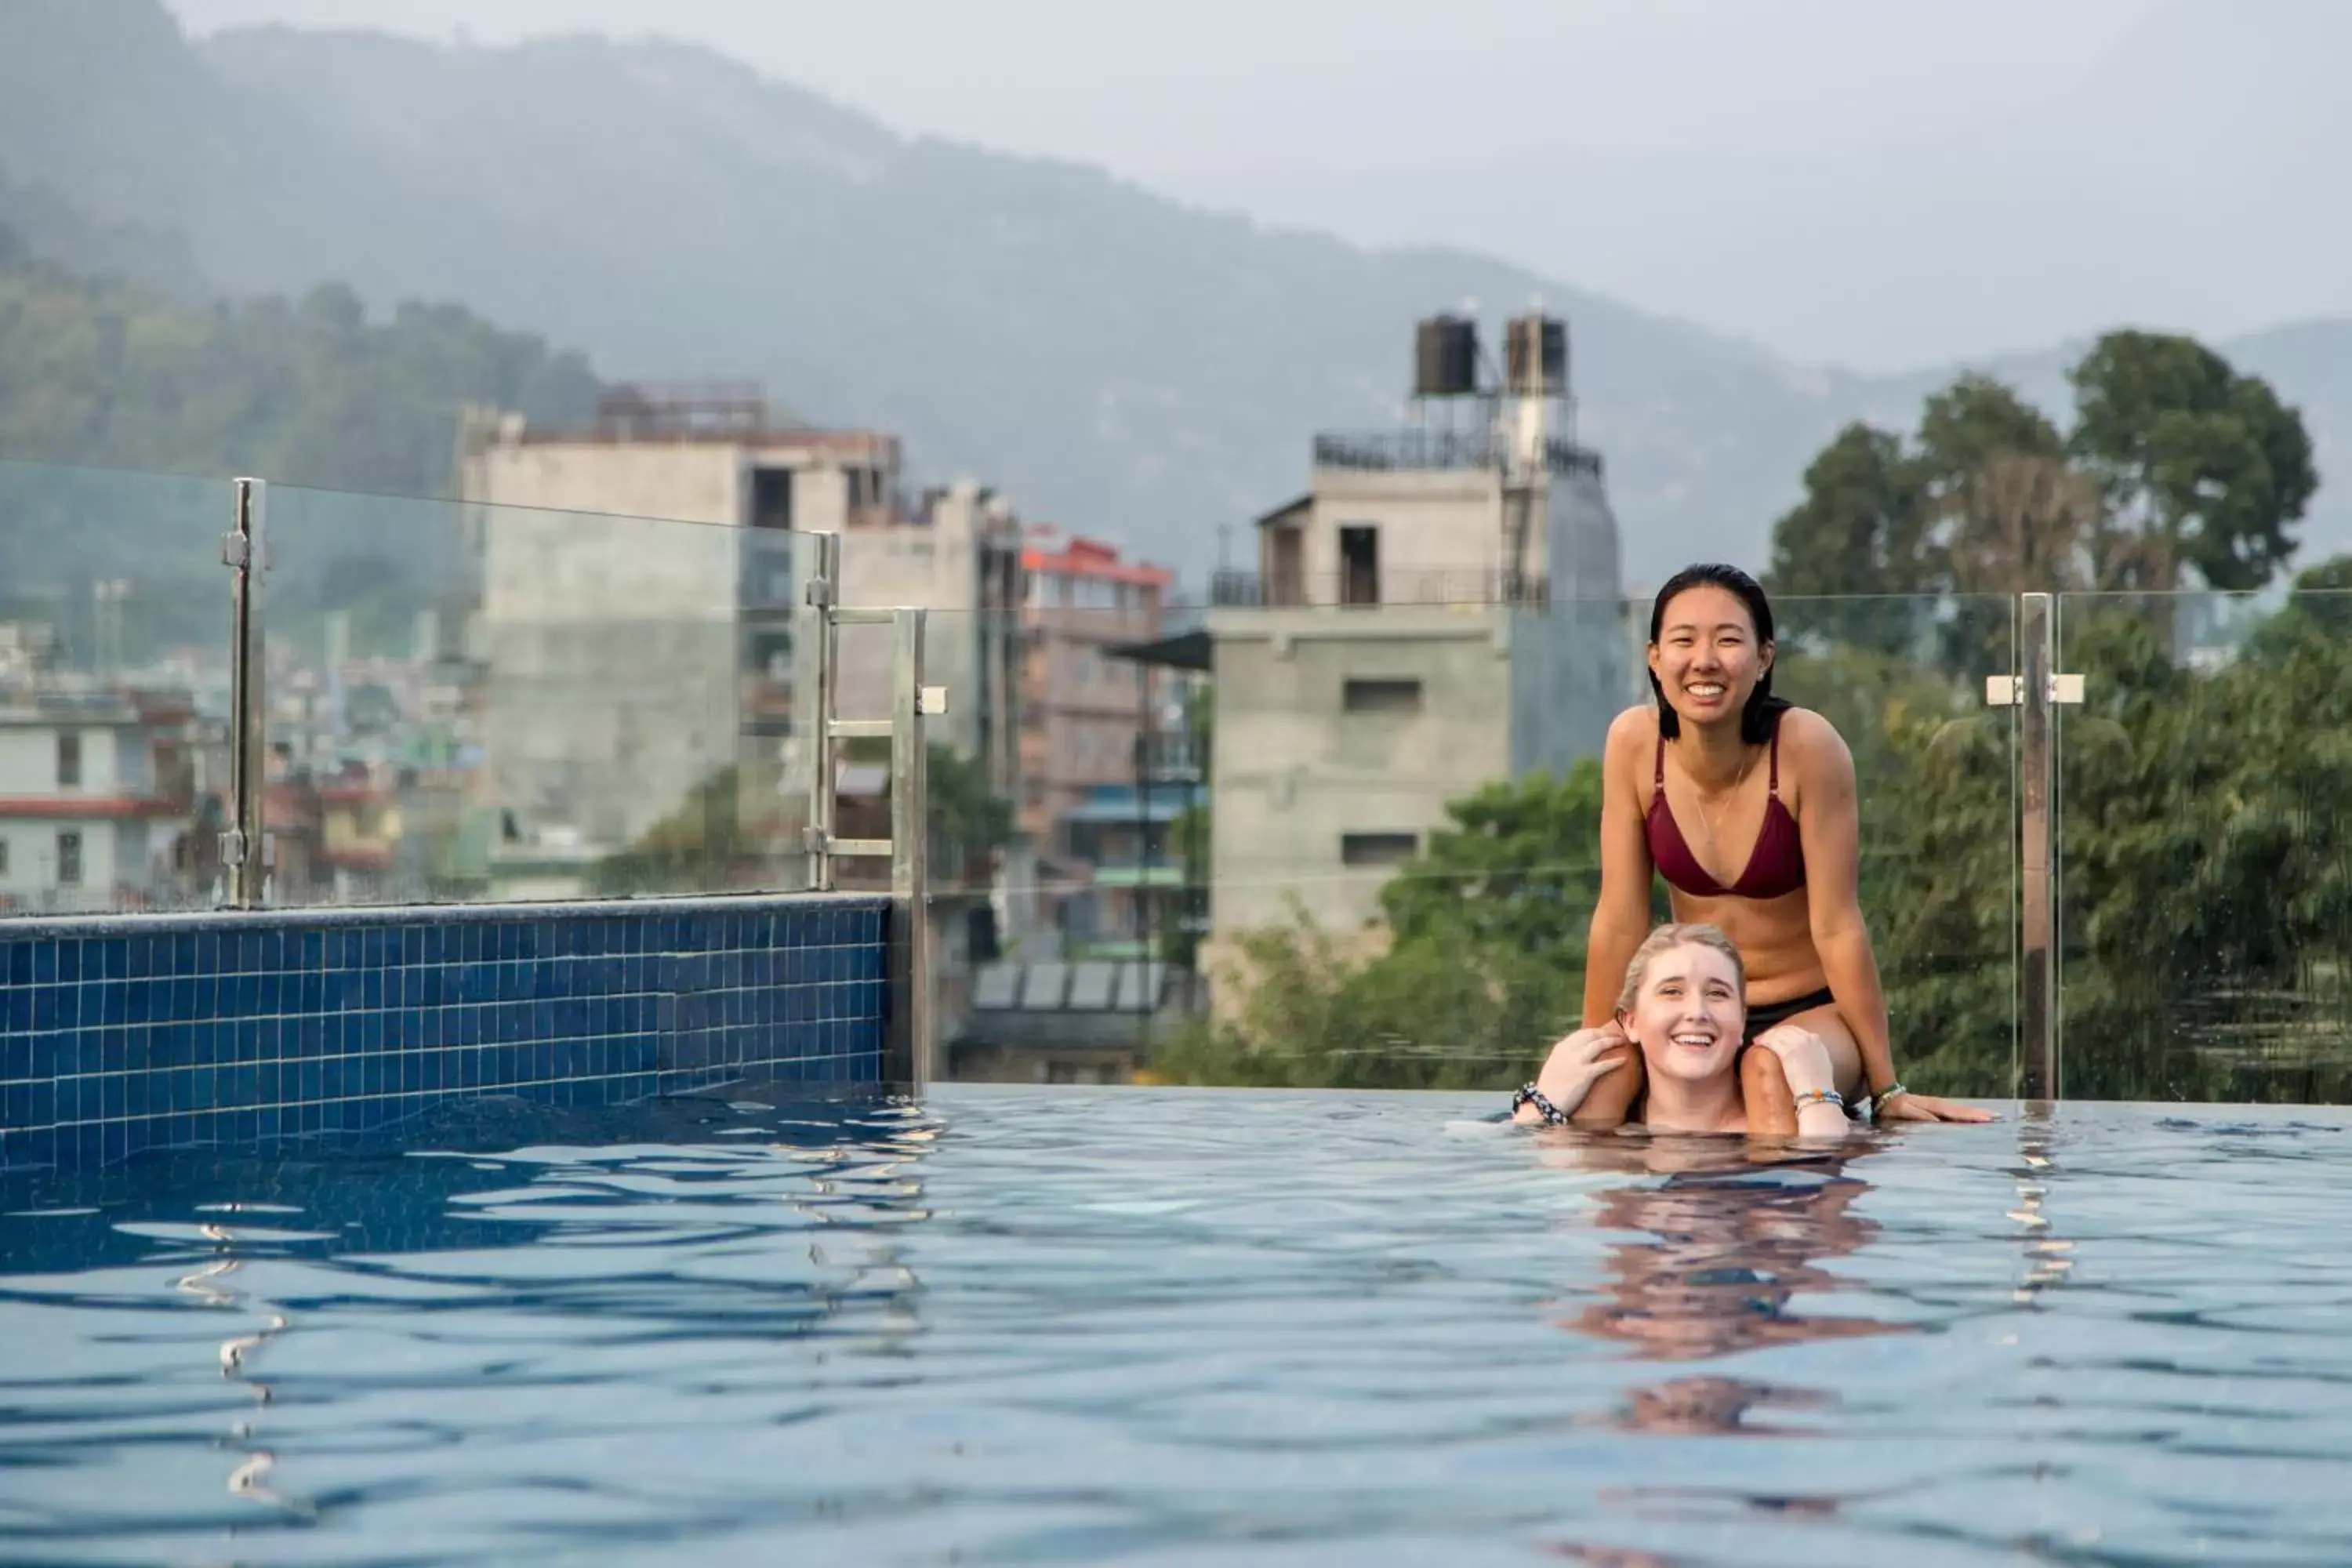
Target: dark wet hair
(1763, 711)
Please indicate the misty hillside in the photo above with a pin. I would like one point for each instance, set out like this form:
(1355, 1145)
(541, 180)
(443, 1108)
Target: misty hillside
(1123, 363)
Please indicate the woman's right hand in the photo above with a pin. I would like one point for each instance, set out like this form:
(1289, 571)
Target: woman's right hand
(1575, 1064)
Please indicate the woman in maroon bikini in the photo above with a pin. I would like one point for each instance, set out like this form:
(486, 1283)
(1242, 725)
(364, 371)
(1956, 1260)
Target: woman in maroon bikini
(1746, 806)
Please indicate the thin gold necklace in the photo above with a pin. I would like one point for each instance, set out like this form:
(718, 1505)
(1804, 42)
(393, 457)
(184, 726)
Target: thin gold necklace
(1713, 819)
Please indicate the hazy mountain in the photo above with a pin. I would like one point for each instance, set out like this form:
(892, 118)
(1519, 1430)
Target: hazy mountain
(38, 220)
(111, 375)
(1123, 363)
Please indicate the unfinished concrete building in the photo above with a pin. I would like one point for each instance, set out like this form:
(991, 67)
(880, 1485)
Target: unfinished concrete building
(1440, 609)
(636, 604)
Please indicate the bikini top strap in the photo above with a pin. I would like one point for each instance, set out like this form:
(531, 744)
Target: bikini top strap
(1658, 777)
(1774, 776)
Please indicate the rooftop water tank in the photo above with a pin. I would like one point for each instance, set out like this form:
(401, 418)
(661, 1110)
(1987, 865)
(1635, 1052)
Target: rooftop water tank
(1445, 357)
(1536, 356)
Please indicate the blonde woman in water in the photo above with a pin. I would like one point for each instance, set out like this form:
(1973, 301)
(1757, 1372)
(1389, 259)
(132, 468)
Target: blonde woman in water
(1683, 1009)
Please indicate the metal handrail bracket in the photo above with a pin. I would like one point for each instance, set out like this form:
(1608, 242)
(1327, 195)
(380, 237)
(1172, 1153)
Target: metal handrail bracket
(245, 846)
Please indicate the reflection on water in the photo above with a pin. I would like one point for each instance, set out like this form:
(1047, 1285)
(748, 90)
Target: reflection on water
(2049, 1257)
(1719, 1245)
(1717, 1241)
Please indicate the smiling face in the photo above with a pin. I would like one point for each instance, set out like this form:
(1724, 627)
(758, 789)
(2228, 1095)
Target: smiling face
(1687, 1014)
(1706, 656)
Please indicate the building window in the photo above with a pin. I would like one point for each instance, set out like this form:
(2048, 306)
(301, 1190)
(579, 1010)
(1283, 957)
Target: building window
(69, 761)
(1378, 848)
(1380, 695)
(1286, 568)
(1360, 564)
(771, 498)
(69, 858)
(4, 856)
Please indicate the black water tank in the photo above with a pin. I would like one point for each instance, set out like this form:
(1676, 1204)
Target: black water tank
(1536, 355)
(1445, 357)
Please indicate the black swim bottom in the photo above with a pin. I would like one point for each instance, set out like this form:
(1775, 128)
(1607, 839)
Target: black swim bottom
(1760, 1018)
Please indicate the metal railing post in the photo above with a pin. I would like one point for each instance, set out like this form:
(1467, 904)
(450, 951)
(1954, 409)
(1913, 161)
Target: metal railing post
(823, 592)
(2037, 967)
(245, 846)
(915, 1042)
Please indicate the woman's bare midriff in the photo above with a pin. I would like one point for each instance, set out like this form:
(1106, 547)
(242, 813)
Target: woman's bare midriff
(1775, 938)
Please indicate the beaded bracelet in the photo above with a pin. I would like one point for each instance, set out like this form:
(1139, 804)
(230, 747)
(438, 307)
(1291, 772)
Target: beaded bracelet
(1530, 1095)
(1821, 1096)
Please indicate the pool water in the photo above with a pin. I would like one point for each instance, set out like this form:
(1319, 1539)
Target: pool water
(1153, 1326)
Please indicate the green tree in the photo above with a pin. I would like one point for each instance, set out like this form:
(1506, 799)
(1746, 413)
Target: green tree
(1975, 419)
(2321, 604)
(1858, 532)
(695, 848)
(2176, 464)
(2207, 843)
(1437, 1012)
(2006, 513)
(1518, 870)
(970, 823)
(2203, 468)
(1484, 968)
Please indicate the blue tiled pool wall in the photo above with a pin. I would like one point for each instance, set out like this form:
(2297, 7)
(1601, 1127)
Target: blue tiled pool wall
(122, 1035)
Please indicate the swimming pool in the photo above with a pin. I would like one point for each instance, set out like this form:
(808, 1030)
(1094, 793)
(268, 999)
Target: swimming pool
(1157, 1326)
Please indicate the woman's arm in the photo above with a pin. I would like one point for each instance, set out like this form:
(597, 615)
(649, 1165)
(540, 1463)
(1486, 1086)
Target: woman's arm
(1575, 1063)
(1620, 915)
(1829, 824)
(1806, 1062)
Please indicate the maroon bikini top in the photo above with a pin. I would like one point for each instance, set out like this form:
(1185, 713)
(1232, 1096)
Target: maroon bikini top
(1776, 867)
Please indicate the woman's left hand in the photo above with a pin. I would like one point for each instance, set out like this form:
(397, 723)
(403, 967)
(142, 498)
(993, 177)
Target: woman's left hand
(1908, 1106)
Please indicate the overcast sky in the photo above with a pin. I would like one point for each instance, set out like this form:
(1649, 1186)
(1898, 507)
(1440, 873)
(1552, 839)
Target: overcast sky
(1301, 110)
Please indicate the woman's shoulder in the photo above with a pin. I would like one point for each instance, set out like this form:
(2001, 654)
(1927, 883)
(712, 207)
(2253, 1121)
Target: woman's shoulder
(1633, 737)
(1806, 736)
(1804, 726)
(1636, 726)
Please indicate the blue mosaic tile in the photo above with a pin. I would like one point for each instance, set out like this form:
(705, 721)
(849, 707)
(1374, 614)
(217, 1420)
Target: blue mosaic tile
(171, 1031)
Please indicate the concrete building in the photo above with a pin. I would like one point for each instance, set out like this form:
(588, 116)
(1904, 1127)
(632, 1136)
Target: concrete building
(1082, 709)
(1440, 609)
(98, 798)
(626, 662)
(635, 597)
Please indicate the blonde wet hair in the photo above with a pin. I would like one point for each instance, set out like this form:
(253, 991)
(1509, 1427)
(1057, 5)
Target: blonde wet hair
(1665, 939)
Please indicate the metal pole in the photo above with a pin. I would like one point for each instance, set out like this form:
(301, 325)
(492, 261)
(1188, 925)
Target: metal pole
(823, 639)
(914, 1042)
(245, 846)
(2037, 972)
(1142, 894)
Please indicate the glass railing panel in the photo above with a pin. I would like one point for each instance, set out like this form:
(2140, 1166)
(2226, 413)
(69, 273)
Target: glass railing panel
(1904, 680)
(2205, 884)
(500, 703)
(1067, 900)
(1378, 832)
(1252, 801)
(114, 639)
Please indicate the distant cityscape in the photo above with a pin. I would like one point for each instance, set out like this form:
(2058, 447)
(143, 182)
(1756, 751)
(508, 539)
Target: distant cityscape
(612, 677)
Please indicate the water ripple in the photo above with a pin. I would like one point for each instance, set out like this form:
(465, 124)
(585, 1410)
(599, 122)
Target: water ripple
(1176, 1327)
